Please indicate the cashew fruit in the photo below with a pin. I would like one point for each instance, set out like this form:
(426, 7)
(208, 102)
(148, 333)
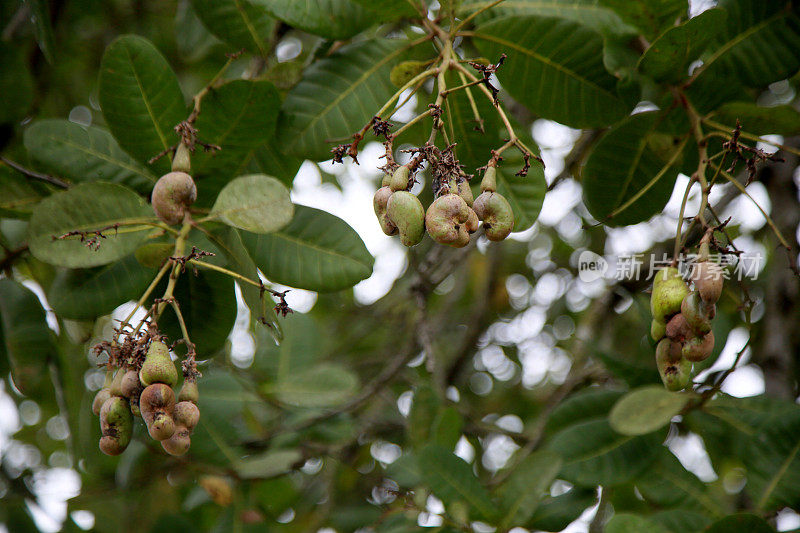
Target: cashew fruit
(158, 366)
(675, 374)
(678, 328)
(157, 403)
(130, 384)
(473, 221)
(379, 203)
(189, 391)
(446, 220)
(116, 425)
(665, 274)
(405, 211)
(465, 192)
(172, 195)
(186, 416)
(657, 330)
(496, 213)
(699, 348)
(399, 179)
(182, 160)
(695, 311)
(489, 181)
(667, 298)
(99, 399)
(708, 280)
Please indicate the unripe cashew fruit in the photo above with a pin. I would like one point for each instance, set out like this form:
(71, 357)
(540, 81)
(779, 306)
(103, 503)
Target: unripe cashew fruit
(678, 329)
(675, 374)
(695, 311)
(699, 348)
(465, 192)
(708, 280)
(116, 384)
(189, 391)
(489, 181)
(399, 179)
(157, 403)
(668, 350)
(130, 384)
(404, 72)
(665, 274)
(405, 211)
(379, 202)
(172, 195)
(182, 160)
(657, 330)
(99, 399)
(496, 213)
(667, 298)
(186, 416)
(116, 425)
(446, 220)
(473, 221)
(157, 366)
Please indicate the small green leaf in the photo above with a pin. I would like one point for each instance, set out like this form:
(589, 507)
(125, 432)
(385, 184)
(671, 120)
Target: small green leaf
(386, 10)
(268, 464)
(324, 385)
(82, 153)
(524, 193)
(88, 207)
(141, 99)
(740, 522)
(681, 521)
(333, 19)
(424, 408)
(556, 513)
(16, 84)
(525, 488)
(646, 409)
(42, 28)
(316, 251)
(759, 120)
(650, 16)
(631, 523)
(255, 202)
(240, 23)
(446, 428)
(451, 479)
(18, 196)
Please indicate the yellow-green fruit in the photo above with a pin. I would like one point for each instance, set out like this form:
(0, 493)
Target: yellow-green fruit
(399, 179)
(473, 221)
(161, 427)
(172, 195)
(465, 192)
(489, 181)
(446, 220)
(99, 399)
(116, 384)
(405, 211)
(116, 425)
(157, 366)
(657, 330)
(179, 442)
(695, 311)
(189, 391)
(182, 160)
(379, 203)
(675, 374)
(157, 403)
(665, 274)
(667, 298)
(186, 414)
(708, 280)
(496, 213)
(404, 72)
(699, 348)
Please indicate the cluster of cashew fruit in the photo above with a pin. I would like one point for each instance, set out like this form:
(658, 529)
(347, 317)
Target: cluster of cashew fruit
(174, 192)
(451, 218)
(148, 393)
(682, 320)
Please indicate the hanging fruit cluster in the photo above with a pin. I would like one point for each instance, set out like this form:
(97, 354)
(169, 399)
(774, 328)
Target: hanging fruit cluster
(682, 318)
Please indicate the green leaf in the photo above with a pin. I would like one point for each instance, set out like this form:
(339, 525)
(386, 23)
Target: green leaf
(18, 196)
(256, 203)
(524, 193)
(337, 96)
(16, 84)
(238, 116)
(667, 58)
(681, 521)
(650, 16)
(451, 479)
(240, 23)
(192, 38)
(446, 428)
(271, 161)
(28, 341)
(631, 523)
(646, 409)
(759, 120)
(88, 207)
(141, 99)
(386, 10)
(424, 408)
(554, 68)
(332, 19)
(594, 454)
(760, 45)
(268, 464)
(666, 483)
(81, 153)
(623, 163)
(525, 488)
(316, 251)
(302, 346)
(87, 294)
(556, 513)
(740, 522)
(584, 405)
(42, 28)
(323, 385)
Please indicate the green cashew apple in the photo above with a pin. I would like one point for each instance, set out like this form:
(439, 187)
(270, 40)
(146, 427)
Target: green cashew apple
(186, 416)
(157, 403)
(182, 160)
(116, 425)
(399, 179)
(496, 213)
(189, 391)
(657, 329)
(699, 348)
(172, 195)
(446, 220)
(473, 222)
(465, 192)
(667, 298)
(708, 280)
(379, 203)
(675, 373)
(99, 399)
(405, 212)
(665, 274)
(694, 309)
(489, 181)
(158, 366)
(130, 385)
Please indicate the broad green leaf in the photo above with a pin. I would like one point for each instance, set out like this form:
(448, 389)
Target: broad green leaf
(524, 193)
(42, 27)
(240, 23)
(192, 38)
(740, 522)
(303, 344)
(555, 68)
(650, 16)
(16, 84)
(667, 58)
(255, 202)
(141, 99)
(238, 116)
(323, 385)
(759, 120)
(268, 464)
(390, 9)
(18, 196)
(594, 454)
(332, 19)
(681, 521)
(28, 341)
(451, 479)
(337, 96)
(446, 428)
(87, 294)
(627, 160)
(584, 405)
(424, 408)
(90, 206)
(556, 513)
(316, 251)
(81, 153)
(760, 44)
(272, 162)
(527, 486)
(631, 523)
(666, 483)
(646, 409)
